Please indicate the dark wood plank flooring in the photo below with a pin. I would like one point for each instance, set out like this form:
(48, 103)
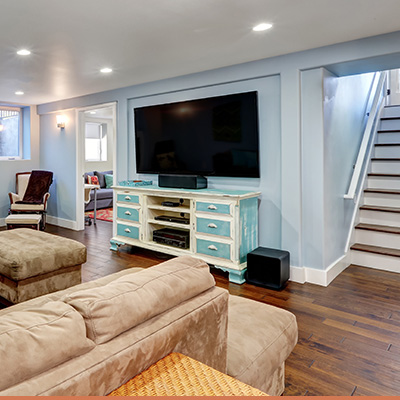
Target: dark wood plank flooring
(349, 332)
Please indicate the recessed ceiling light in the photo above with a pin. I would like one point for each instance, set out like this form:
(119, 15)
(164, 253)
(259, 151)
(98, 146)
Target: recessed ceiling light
(106, 70)
(262, 27)
(92, 112)
(19, 93)
(23, 52)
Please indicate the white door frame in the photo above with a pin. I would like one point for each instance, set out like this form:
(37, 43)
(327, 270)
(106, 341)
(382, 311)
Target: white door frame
(80, 156)
(394, 85)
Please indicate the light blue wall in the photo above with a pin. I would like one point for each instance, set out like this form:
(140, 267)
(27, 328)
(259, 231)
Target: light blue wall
(8, 168)
(345, 110)
(269, 183)
(333, 117)
(57, 149)
(285, 107)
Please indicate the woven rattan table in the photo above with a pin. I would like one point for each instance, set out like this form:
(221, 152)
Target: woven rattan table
(179, 375)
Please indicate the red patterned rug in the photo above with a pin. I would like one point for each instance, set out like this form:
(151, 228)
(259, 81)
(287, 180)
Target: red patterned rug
(104, 215)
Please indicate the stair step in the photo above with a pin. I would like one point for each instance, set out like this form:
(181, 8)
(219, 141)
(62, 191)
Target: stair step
(385, 251)
(382, 191)
(379, 228)
(385, 159)
(381, 208)
(384, 175)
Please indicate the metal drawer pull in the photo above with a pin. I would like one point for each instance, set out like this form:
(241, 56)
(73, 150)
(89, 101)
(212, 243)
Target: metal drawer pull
(212, 207)
(127, 198)
(212, 226)
(212, 247)
(128, 213)
(127, 230)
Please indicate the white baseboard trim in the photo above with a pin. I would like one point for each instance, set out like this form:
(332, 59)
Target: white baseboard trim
(319, 276)
(64, 223)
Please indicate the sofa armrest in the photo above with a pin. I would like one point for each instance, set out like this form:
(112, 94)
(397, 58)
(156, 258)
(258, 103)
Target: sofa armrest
(14, 197)
(45, 198)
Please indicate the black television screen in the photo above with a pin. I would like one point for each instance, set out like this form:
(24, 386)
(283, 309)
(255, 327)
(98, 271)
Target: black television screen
(215, 136)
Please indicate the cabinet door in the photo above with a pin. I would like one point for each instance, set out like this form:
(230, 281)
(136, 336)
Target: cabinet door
(127, 198)
(128, 231)
(128, 213)
(213, 226)
(214, 249)
(213, 207)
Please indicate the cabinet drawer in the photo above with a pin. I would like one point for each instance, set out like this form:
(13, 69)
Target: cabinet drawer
(215, 249)
(128, 231)
(127, 198)
(214, 226)
(213, 207)
(130, 214)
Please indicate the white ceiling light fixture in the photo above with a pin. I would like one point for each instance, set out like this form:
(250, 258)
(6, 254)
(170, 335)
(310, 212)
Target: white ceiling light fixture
(262, 27)
(106, 70)
(19, 92)
(23, 52)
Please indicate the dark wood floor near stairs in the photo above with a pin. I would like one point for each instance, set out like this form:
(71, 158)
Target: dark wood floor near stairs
(349, 332)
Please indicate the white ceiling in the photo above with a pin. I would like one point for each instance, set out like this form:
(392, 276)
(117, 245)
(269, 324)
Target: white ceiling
(146, 40)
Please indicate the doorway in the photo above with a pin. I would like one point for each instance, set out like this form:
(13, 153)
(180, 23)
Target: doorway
(96, 161)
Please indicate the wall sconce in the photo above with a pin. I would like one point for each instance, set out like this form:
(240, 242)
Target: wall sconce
(61, 119)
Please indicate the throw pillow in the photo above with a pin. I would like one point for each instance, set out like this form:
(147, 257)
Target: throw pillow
(93, 180)
(109, 180)
(101, 176)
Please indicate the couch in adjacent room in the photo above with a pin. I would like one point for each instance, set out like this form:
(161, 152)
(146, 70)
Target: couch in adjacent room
(90, 339)
(104, 194)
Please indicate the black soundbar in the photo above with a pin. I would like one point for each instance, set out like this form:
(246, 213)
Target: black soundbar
(182, 181)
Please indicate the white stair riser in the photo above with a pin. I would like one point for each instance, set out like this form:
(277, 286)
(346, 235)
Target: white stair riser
(385, 167)
(387, 151)
(376, 182)
(391, 112)
(382, 199)
(380, 218)
(393, 137)
(375, 238)
(378, 261)
(390, 124)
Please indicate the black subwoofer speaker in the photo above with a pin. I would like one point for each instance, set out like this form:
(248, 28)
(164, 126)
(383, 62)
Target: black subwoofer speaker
(268, 268)
(182, 181)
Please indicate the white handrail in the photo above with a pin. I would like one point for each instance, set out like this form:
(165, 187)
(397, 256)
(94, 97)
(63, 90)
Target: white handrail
(374, 112)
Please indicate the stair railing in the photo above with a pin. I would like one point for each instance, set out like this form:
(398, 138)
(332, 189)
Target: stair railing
(369, 131)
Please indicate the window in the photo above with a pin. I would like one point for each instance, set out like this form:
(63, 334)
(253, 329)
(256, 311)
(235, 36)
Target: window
(10, 132)
(95, 141)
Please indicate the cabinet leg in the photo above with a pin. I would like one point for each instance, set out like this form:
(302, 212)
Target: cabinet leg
(235, 276)
(115, 244)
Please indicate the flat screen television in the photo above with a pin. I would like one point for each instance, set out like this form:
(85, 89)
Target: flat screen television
(215, 136)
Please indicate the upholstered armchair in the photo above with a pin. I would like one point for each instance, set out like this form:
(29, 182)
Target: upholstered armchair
(19, 203)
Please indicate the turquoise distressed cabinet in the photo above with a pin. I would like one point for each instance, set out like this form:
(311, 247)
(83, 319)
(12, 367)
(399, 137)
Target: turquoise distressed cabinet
(222, 225)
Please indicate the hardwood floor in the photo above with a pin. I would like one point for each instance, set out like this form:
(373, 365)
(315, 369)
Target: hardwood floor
(349, 332)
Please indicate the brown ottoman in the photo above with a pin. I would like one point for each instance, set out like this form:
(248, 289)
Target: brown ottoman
(33, 263)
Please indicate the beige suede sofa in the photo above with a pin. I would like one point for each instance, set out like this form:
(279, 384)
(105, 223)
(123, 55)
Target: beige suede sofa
(89, 339)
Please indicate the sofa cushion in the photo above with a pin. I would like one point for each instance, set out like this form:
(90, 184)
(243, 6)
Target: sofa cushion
(260, 339)
(109, 180)
(102, 180)
(86, 175)
(38, 339)
(104, 194)
(135, 298)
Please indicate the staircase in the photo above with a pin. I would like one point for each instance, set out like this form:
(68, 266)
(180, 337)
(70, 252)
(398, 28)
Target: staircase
(377, 235)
